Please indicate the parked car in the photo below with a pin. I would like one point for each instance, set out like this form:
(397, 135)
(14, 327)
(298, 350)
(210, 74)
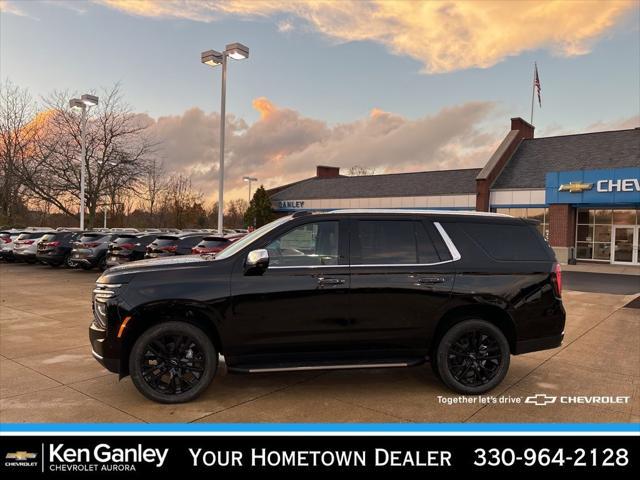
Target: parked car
(26, 246)
(55, 248)
(173, 244)
(128, 247)
(340, 289)
(7, 239)
(214, 244)
(90, 249)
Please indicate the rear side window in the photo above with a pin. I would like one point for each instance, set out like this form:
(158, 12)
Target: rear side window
(162, 241)
(388, 242)
(93, 238)
(508, 242)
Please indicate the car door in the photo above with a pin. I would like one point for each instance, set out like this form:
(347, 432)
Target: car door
(299, 304)
(401, 279)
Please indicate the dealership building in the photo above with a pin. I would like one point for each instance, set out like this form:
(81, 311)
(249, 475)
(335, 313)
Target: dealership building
(584, 189)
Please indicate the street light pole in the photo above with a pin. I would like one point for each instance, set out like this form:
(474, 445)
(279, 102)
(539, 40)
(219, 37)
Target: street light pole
(83, 155)
(237, 51)
(83, 104)
(249, 179)
(222, 130)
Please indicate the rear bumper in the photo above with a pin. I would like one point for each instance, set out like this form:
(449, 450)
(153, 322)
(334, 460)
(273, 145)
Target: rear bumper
(97, 337)
(51, 258)
(536, 344)
(24, 255)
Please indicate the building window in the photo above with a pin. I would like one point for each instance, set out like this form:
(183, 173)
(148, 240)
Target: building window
(594, 228)
(541, 214)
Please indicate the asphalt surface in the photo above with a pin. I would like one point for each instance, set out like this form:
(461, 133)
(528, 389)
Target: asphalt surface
(601, 283)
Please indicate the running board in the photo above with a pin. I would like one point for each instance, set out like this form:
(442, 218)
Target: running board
(322, 366)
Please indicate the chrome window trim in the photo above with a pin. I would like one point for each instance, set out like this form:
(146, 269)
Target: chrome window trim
(455, 256)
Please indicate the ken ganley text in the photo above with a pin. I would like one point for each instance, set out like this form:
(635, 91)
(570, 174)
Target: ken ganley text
(262, 457)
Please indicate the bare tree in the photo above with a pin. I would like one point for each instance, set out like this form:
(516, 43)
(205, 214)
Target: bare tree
(18, 132)
(117, 154)
(234, 215)
(359, 171)
(153, 184)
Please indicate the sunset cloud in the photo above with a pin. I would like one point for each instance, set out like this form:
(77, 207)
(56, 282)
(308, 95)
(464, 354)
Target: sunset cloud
(283, 146)
(443, 35)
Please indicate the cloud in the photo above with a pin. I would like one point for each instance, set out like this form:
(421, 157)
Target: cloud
(284, 146)
(12, 8)
(443, 35)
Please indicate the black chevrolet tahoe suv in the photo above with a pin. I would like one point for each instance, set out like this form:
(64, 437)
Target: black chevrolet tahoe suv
(334, 290)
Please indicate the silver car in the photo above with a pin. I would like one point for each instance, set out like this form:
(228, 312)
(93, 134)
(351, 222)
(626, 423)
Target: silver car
(26, 245)
(7, 238)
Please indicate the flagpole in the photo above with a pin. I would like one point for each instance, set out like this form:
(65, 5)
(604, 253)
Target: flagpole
(533, 91)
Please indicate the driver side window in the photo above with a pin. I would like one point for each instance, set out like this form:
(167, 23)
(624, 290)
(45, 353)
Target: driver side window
(307, 245)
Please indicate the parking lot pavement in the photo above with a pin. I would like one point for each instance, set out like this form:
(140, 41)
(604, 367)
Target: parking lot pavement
(47, 373)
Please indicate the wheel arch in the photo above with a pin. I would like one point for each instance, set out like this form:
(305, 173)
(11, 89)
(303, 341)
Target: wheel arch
(491, 313)
(146, 316)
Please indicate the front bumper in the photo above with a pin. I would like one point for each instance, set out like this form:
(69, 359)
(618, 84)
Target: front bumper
(97, 337)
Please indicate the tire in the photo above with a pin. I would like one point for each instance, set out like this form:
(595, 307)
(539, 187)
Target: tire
(68, 263)
(200, 370)
(86, 266)
(472, 357)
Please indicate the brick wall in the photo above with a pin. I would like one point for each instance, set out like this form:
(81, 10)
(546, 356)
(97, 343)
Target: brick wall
(562, 225)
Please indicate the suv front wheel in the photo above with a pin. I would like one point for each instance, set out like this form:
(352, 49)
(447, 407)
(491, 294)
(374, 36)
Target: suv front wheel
(173, 362)
(472, 357)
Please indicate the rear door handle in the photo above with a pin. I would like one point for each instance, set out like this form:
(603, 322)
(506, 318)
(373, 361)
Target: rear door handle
(330, 281)
(431, 280)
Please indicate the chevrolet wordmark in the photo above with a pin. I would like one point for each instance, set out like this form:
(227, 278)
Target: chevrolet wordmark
(334, 290)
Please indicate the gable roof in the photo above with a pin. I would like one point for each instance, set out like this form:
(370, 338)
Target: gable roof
(443, 182)
(537, 156)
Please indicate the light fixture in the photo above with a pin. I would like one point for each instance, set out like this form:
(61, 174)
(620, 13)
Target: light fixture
(89, 100)
(237, 51)
(211, 57)
(249, 179)
(76, 104)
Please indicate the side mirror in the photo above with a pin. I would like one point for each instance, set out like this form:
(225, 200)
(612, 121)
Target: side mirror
(257, 262)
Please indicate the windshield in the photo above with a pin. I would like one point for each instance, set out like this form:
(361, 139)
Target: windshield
(246, 240)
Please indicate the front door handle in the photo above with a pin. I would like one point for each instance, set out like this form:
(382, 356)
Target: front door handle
(330, 281)
(431, 280)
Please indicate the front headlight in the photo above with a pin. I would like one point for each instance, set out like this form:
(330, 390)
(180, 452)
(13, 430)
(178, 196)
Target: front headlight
(102, 293)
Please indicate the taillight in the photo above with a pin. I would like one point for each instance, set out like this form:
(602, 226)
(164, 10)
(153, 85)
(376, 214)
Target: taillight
(6, 239)
(556, 278)
(170, 248)
(26, 242)
(128, 246)
(52, 244)
(90, 245)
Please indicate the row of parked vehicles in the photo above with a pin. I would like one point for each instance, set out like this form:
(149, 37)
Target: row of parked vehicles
(105, 248)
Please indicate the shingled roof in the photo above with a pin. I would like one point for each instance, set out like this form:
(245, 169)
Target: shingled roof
(442, 182)
(535, 157)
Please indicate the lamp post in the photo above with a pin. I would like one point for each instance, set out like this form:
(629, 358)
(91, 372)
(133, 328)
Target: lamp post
(83, 104)
(237, 51)
(249, 180)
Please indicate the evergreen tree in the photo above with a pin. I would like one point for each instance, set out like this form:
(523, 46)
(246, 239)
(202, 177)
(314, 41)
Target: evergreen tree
(259, 212)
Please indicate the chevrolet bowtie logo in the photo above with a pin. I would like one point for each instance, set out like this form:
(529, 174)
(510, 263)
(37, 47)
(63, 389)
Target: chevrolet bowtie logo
(575, 187)
(540, 399)
(20, 455)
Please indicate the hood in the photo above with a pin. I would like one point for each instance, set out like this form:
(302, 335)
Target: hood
(123, 273)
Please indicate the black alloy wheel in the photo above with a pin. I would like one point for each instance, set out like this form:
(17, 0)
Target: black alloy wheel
(473, 357)
(173, 362)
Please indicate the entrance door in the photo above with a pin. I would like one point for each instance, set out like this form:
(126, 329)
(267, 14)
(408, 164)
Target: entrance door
(625, 244)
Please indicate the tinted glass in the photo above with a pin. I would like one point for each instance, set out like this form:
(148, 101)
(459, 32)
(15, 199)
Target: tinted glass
(93, 237)
(190, 241)
(213, 243)
(163, 241)
(309, 244)
(387, 242)
(508, 242)
(30, 236)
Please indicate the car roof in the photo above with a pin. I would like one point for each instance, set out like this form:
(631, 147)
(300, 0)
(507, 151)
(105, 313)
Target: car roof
(400, 211)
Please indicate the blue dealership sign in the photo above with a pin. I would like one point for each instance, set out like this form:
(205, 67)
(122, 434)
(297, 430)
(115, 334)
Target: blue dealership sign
(611, 186)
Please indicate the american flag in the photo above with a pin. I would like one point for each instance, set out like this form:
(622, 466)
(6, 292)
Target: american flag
(536, 83)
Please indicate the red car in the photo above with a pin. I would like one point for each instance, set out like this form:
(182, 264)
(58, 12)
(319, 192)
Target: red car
(214, 244)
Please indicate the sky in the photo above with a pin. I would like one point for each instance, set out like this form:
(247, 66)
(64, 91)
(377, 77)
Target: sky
(395, 86)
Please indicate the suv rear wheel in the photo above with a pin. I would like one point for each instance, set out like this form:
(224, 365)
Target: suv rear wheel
(472, 357)
(173, 362)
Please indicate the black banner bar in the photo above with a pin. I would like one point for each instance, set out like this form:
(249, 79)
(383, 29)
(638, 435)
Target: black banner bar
(52, 456)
